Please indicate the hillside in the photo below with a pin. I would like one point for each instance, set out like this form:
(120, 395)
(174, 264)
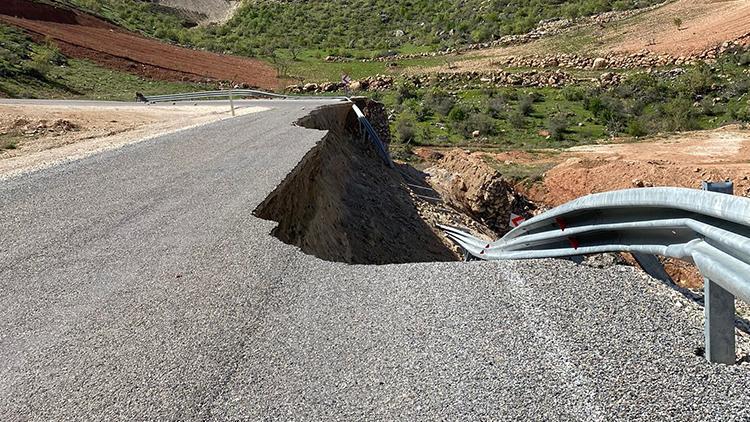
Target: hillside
(704, 25)
(39, 70)
(81, 35)
(359, 27)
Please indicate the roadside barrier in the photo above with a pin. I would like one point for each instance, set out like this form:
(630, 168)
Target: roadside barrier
(710, 229)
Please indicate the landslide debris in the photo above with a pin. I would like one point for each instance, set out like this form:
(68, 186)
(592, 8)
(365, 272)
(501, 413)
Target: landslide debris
(468, 184)
(342, 203)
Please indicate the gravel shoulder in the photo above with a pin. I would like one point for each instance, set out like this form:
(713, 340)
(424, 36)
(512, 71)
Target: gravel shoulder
(49, 132)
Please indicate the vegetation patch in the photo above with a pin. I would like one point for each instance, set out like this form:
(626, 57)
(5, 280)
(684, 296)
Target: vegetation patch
(698, 97)
(356, 28)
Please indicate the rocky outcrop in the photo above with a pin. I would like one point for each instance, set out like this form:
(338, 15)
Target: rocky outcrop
(500, 78)
(470, 185)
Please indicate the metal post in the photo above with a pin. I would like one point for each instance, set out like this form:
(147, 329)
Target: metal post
(231, 101)
(719, 306)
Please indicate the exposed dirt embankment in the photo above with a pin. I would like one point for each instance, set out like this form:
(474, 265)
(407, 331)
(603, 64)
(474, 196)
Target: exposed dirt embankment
(201, 11)
(342, 203)
(84, 36)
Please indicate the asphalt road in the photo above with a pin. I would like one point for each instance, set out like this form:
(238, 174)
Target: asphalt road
(135, 284)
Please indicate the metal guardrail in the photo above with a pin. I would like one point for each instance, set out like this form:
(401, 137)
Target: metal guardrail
(367, 130)
(365, 126)
(224, 93)
(231, 93)
(708, 228)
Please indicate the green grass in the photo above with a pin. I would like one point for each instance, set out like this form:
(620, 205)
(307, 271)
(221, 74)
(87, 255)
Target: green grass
(81, 79)
(643, 105)
(310, 66)
(528, 174)
(439, 130)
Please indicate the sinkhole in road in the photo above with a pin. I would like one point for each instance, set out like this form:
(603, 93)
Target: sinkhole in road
(342, 203)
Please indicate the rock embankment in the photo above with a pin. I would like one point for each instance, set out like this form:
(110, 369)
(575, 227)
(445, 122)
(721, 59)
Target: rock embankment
(499, 78)
(468, 184)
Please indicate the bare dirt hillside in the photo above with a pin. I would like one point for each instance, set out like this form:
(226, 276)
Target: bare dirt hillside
(675, 160)
(704, 25)
(208, 11)
(83, 36)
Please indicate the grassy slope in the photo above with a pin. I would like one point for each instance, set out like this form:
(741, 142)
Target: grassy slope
(30, 70)
(701, 98)
(361, 28)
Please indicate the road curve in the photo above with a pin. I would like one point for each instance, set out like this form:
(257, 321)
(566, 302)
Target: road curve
(136, 284)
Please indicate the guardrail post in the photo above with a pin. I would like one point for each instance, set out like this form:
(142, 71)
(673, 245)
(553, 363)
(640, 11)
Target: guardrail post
(719, 306)
(231, 101)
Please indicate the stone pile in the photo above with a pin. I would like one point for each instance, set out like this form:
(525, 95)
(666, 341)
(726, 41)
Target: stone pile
(639, 60)
(500, 78)
(371, 83)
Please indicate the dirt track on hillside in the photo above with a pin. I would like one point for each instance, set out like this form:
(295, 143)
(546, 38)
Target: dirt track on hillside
(705, 23)
(84, 36)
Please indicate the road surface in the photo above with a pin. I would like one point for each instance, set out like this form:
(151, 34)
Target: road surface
(136, 284)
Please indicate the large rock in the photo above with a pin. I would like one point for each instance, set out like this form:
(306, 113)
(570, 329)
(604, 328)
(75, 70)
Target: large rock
(599, 63)
(470, 185)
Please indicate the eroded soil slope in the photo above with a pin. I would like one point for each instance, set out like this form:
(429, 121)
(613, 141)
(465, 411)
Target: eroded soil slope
(83, 36)
(342, 203)
(203, 11)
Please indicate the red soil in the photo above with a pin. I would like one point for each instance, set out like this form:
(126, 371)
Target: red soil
(84, 36)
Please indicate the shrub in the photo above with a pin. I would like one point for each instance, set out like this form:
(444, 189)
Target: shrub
(478, 121)
(557, 125)
(457, 114)
(525, 105)
(496, 106)
(677, 115)
(406, 128)
(573, 93)
(517, 119)
(636, 128)
(695, 82)
(7, 144)
(439, 101)
(405, 91)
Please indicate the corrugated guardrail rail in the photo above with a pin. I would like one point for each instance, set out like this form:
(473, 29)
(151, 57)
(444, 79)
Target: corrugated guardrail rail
(225, 93)
(229, 93)
(708, 228)
(367, 130)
